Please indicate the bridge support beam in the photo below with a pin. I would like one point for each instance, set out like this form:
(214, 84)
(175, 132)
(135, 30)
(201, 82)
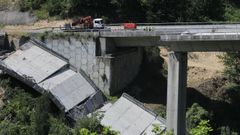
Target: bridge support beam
(176, 93)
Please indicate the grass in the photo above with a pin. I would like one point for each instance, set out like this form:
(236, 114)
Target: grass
(112, 99)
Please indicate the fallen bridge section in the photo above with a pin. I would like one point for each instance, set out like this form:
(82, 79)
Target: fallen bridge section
(131, 117)
(33, 62)
(46, 72)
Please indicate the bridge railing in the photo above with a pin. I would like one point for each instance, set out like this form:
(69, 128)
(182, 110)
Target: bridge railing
(207, 36)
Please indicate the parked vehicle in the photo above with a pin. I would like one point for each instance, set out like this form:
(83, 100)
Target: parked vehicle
(85, 23)
(130, 26)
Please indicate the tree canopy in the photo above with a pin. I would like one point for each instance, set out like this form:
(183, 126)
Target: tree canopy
(138, 10)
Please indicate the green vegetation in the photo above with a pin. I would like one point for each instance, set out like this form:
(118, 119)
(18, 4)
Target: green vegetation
(161, 111)
(28, 113)
(136, 10)
(157, 130)
(21, 114)
(1, 25)
(195, 115)
(231, 61)
(227, 131)
(203, 128)
(198, 120)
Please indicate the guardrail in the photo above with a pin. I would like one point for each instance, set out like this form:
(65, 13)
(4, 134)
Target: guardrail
(176, 23)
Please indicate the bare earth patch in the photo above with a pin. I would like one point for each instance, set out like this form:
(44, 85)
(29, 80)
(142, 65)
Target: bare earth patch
(202, 66)
(42, 24)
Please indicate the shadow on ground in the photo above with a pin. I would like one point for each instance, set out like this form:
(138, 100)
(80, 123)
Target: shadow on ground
(150, 86)
(223, 113)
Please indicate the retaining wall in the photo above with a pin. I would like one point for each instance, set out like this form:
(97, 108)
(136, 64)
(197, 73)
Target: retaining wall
(110, 72)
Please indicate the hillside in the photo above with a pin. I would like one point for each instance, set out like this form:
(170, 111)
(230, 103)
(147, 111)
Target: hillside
(9, 5)
(201, 66)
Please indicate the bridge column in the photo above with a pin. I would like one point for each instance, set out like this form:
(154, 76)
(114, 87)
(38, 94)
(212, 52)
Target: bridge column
(176, 92)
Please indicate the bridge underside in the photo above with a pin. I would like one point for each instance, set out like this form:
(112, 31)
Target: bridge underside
(179, 46)
(199, 40)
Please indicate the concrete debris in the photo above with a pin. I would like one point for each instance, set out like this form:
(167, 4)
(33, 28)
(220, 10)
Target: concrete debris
(130, 117)
(92, 104)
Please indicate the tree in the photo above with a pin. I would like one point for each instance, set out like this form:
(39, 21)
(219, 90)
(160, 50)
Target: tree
(39, 118)
(231, 61)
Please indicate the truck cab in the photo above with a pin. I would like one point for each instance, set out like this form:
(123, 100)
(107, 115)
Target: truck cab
(98, 23)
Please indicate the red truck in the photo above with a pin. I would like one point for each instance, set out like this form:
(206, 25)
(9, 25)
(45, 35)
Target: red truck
(130, 26)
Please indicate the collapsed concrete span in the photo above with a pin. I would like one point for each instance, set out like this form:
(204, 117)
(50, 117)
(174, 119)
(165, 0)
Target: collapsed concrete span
(71, 91)
(130, 117)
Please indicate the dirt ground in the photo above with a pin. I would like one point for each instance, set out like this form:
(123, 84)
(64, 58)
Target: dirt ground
(38, 25)
(12, 29)
(202, 66)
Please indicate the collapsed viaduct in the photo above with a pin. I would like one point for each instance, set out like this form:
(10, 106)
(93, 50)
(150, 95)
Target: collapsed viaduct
(112, 59)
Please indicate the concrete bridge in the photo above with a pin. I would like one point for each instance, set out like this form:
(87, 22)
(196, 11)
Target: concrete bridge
(179, 40)
(112, 58)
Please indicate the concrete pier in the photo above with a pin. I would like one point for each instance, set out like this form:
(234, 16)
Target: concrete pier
(176, 95)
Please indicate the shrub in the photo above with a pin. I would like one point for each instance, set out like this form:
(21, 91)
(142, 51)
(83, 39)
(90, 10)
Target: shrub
(39, 118)
(157, 130)
(195, 115)
(227, 131)
(91, 123)
(58, 127)
(161, 111)
(109, 131)
(231, 61)
(233, 92)
(42, 14)
(203, 128)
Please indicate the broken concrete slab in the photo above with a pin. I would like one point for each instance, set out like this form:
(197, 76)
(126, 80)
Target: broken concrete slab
(57, 79)
(34, 63)
(72, 91)
(93, 103)
(129, 116)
